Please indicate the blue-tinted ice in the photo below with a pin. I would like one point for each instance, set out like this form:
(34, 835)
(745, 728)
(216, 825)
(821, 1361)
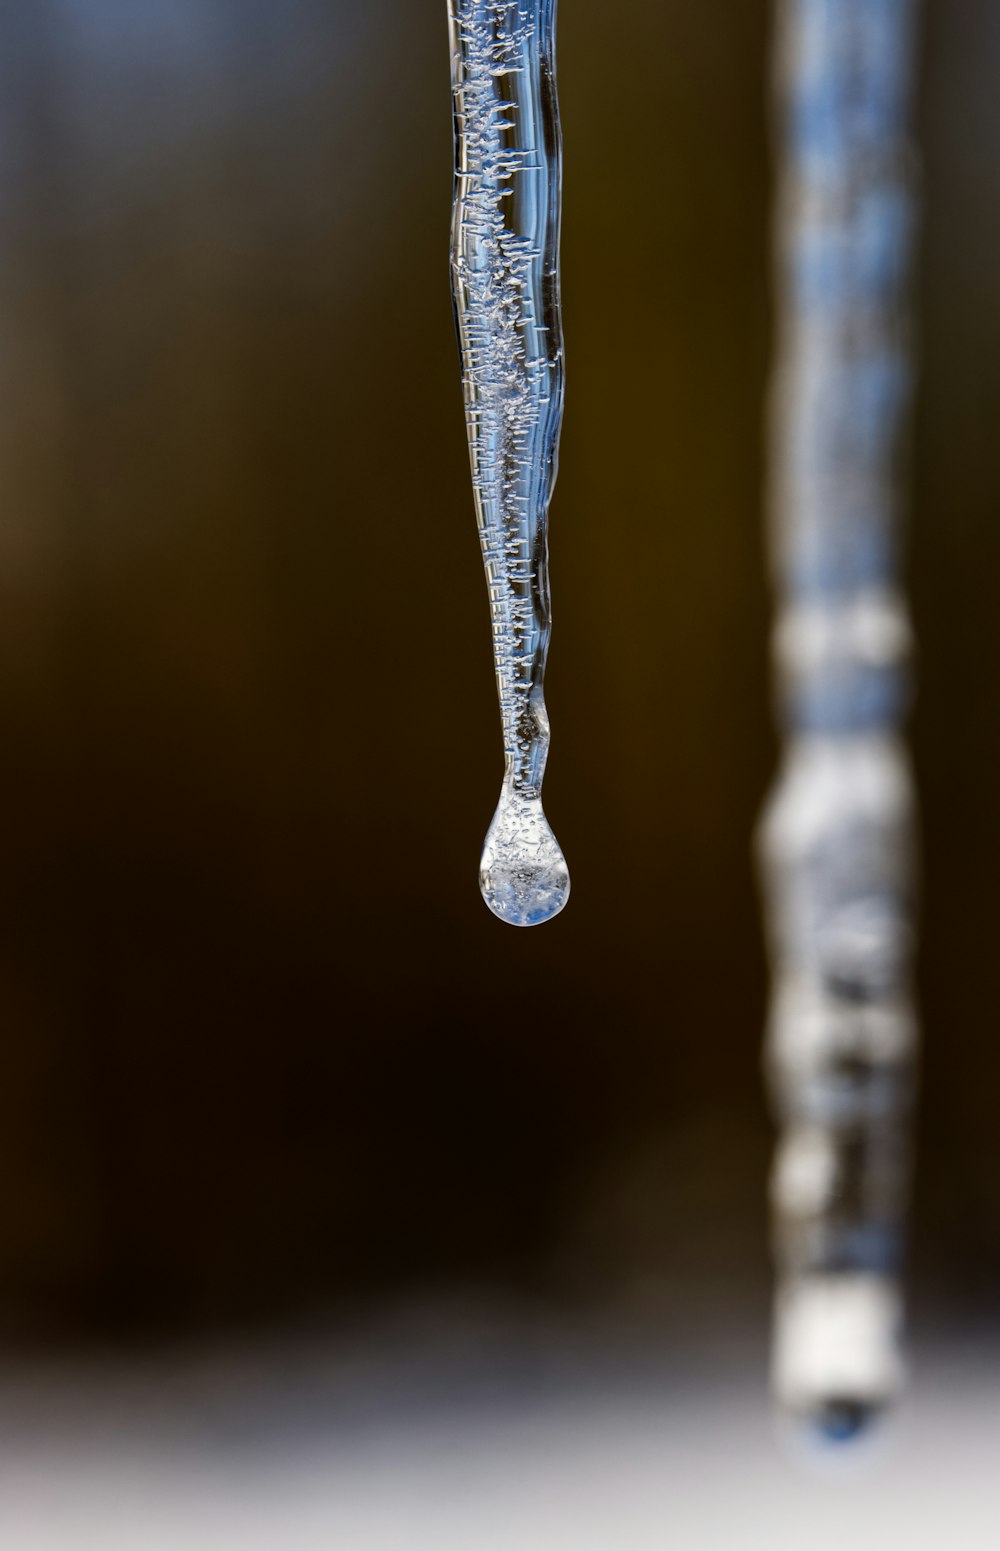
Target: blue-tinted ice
(838, 845)
(505, 279)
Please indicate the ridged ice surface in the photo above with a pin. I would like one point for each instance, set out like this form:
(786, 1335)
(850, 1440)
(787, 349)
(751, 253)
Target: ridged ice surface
(505, 255)
(837, 840)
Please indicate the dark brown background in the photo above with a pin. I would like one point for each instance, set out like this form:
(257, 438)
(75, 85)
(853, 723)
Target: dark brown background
(264, 1048)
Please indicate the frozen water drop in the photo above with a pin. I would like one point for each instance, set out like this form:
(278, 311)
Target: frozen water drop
(523, 874)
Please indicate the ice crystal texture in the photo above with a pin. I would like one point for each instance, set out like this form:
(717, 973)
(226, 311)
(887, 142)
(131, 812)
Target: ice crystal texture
(837, 839)
(505, 279)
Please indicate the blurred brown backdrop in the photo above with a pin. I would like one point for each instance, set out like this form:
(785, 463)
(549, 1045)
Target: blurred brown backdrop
(264, 1048)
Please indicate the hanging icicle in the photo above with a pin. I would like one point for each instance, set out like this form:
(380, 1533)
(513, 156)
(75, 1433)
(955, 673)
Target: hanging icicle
(837, 839)
(505, 277)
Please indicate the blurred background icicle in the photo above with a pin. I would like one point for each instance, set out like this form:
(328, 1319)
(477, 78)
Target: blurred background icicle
(837, 838)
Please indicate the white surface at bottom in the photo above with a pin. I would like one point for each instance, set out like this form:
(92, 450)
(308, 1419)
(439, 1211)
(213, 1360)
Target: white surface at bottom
(424, 1441)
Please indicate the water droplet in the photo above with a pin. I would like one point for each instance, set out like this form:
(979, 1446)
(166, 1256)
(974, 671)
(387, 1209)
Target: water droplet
(523, 874)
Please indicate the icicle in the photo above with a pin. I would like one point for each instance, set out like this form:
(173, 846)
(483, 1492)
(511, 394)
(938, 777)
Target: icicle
(505, 256)
(837, 839)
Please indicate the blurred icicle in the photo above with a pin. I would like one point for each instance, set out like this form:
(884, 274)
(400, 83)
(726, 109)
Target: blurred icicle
(837, 837)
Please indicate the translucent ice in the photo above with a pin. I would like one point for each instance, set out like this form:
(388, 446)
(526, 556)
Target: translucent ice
(837, 840)
(523, 875)
(505, 280)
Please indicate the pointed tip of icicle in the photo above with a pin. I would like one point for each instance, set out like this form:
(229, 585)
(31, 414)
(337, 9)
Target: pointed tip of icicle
(523, 874)
(839, 1437)
(842, 1421)
(838, 1363)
